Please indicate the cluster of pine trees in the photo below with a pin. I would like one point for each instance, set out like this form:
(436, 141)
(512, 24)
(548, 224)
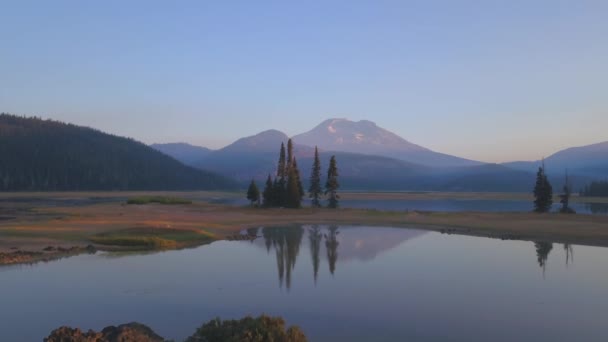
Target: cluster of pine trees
(543, 194)
(596, 189)
(286, 190)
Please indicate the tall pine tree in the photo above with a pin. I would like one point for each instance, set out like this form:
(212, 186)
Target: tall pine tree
(267, 195)
(294, 200)
(282, 165)
(294, 184)
(280, 183)
(290, 156)
(314, 192)
(543, 192)
(298, 178)
(332, 185)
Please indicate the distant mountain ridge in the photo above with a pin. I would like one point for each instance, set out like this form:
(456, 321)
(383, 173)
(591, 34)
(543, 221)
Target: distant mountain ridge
(590, 161)
(250, 157)
(45, 155)
(372, 158)
(365, 137)
(256, 157)
(264, 141)
(187, 154)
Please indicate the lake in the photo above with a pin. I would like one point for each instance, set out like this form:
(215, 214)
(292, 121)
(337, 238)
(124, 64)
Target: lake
(446, 204)
(454, 205)
(442, 204)
(337, 283)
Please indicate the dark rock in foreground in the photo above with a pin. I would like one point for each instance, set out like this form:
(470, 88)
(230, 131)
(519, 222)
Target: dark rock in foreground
(249, 329)
(132, 332)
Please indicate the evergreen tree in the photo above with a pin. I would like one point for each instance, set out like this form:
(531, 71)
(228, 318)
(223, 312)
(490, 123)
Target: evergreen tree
(253, 193)
(543, 192)
(332, 185)
(565, 198)
(596, 189)
(294, 186)
(280, 184)
(298, 179)
(290, 156)
(267, 195)
(314, 192)
(282, 163)
(294, 199)
(279, 192)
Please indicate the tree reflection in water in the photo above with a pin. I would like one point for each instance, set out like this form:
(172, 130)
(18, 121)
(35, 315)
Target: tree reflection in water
(569, 253)
(286, 243)
(331, 243)
(542, 253)
(315, 237)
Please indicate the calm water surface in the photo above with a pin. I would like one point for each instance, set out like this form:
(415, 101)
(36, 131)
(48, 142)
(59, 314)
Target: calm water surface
(337, 283)
(454, 205)
(451, 205)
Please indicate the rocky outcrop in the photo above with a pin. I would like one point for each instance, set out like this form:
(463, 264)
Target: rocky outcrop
(132, 332)
(248, 329)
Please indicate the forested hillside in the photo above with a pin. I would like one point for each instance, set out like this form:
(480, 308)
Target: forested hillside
(43, 155)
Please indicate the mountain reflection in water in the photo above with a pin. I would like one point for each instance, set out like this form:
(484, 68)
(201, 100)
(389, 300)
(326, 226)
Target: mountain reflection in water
(346, 244)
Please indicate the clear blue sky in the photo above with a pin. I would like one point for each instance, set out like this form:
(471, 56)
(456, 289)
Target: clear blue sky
(488, 80)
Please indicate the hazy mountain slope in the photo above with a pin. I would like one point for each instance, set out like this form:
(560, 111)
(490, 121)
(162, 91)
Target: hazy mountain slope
(266, 141)
(588, 161)
(488, 177)
(250, 157)
(365, 137)
(49, 155)
(257, 156)
(368, 172)
(364, 172)
(185, 153)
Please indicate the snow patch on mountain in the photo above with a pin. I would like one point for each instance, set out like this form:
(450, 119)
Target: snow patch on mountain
(368, 138)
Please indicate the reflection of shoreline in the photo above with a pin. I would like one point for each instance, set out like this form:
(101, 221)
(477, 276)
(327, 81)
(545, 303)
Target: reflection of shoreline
(341, 245)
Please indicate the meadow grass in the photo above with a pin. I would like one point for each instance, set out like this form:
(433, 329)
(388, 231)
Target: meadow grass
(152, 238)
(114, 225)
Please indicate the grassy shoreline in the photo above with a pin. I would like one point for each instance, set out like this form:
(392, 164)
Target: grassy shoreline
(346, 195)
(113, 225)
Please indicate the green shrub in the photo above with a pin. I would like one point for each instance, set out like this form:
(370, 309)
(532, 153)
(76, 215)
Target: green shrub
(248, 329)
